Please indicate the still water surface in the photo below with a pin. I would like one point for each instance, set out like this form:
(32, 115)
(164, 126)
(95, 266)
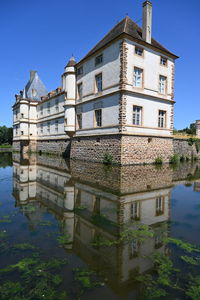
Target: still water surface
(86, 231)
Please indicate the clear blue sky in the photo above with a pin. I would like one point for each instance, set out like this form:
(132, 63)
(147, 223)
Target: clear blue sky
(42, 34)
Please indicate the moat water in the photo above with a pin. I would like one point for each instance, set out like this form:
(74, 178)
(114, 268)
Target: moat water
(74, 230)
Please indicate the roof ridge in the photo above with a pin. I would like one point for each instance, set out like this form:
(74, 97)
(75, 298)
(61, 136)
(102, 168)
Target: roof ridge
(129, 27)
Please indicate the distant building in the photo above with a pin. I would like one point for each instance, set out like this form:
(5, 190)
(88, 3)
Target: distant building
(197, 128)
(119, 99)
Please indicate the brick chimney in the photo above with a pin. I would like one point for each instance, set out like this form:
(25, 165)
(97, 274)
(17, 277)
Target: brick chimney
(147, 21)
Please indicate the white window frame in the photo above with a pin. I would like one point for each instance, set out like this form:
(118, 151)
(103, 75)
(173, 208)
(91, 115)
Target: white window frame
(137, 115)
(99, 82)
(139, 51)
(56, 125)
(79, 117)
(162, 118)
(160, 205)
(80, 71)
(98, 59)
(80, 90)
(41, 128)
(98, 117)
(163, 61)
(48, 107)
(138, 77)
(48, 126)
(162, 84)
(57, 104)
(135, 210)
(41, 110)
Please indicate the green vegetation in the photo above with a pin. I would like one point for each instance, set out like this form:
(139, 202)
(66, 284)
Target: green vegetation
(107, 158)
(86, 278)
(63, 239)
(39, 280)
(193, 290)
(174, 159)
(6, 135)
(191, 130)
(158, 161)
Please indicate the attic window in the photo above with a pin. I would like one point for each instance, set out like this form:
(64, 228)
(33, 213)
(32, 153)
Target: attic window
(98, 59)
(34, 93)
(80, 71)
(139, 51)
(163, 61)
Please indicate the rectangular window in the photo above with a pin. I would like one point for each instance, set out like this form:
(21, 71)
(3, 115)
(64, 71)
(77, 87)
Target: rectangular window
(41, 110)
(162, 84)
(137, 115)
(22, 132)
(98, 81)
(41, 128)
(56, 105)
(138, 74)
(98, 59)
(80, 71)
(133, 248)
(139, 51)
(163, 61)
(56, 125)
(135, 210)
(162, 118)
(48, 127)
(79, 121)
(48, 107)
(22, 115)
(98, 118)
(80, 90)
(159, 206)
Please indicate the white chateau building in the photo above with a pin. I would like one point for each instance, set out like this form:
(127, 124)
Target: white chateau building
(118, 99)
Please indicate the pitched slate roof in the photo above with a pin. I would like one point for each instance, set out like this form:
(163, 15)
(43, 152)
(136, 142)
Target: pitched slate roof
(130, 28)
(34, 84)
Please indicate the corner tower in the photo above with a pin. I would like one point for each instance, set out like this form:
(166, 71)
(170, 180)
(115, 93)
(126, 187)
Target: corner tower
(69, 86)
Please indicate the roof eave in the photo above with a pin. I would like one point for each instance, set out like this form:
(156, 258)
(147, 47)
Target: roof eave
(87, 56)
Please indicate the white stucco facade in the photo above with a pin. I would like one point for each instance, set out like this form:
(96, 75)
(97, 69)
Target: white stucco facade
(124, 85)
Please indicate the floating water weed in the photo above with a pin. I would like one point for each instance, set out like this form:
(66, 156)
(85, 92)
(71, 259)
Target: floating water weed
(193, 290)
(190, 260)
(63, 239)
(3, 234)
(24, 246)
(183, 245)
(85, 278)
(46, 223)
(5, 219)
(28, 208)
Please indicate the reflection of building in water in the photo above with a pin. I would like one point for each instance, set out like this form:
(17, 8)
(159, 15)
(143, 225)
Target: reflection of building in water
(96, 204)
(197, 186)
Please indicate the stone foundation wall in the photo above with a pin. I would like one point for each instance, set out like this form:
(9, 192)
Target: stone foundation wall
(125, 149)
(93, 148)
(139, 149)
(56, 146)
(16, 146)
(183, 148)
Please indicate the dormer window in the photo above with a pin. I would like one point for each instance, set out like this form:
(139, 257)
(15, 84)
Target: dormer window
(98, 59)
(139, 51)
(80, 71)
(34, 93)
(163, 61)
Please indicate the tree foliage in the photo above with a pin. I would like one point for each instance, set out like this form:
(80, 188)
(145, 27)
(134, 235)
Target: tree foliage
(6, 135)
